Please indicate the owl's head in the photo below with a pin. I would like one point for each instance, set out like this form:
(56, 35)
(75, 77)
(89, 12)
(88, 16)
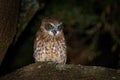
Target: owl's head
(52, 26)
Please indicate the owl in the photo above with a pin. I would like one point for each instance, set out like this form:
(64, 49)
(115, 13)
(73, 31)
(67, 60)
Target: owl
(50, 43)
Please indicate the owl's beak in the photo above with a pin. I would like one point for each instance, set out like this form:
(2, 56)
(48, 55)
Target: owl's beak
(54, 32)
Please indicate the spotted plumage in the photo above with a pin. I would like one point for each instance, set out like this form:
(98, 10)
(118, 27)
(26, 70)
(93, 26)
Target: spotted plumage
(50, 43)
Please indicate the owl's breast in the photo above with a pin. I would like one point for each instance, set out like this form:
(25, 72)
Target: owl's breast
(56, 51)
(52, 50)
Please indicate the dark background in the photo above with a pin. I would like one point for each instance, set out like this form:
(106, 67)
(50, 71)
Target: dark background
(91, 28)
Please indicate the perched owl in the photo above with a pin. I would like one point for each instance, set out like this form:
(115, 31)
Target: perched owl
(50, 42)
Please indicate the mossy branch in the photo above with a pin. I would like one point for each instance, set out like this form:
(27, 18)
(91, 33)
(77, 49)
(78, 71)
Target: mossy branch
(53, 71)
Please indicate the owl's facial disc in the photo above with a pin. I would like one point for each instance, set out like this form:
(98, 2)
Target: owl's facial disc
(54, 29)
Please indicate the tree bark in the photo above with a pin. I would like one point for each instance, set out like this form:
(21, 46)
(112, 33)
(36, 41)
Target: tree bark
(53, 71)
(8, 21)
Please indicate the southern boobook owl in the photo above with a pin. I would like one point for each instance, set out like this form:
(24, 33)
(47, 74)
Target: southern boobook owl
(50, 42)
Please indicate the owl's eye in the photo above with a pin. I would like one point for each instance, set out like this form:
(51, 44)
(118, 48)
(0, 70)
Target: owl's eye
(60, 27)
(48, 27)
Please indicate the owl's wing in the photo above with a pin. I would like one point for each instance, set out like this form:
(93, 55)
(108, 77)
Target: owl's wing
(37, 39)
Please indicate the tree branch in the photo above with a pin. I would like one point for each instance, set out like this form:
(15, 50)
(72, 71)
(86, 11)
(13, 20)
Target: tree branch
(8, 22)
(52, 71)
